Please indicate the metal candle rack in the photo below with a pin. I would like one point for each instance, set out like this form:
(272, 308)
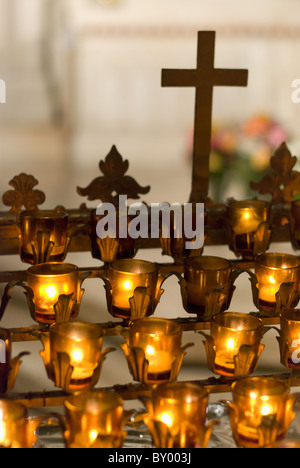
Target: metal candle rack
(281, 184)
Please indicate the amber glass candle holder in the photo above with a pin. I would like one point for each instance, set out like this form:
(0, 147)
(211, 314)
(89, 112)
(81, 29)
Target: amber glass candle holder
(109, 249)
(95, 420)
(5, 359)
(261, 411)
(289, 338)
(133, 288)
(295, 224)
(13, 425)
(9, 366)
(173, 240)
(248, 227)
(17, 430)
(176, 416)
(51, 281)
(273, 270)
(207, 286)
(153, 350)
(234, 345)
(73, 355)
(43, 236)
(53, 292)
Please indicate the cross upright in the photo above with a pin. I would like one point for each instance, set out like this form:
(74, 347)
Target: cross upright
(203, 78)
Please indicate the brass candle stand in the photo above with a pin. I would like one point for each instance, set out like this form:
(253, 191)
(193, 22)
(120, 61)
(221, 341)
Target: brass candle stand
(280, 185)
(217, 303)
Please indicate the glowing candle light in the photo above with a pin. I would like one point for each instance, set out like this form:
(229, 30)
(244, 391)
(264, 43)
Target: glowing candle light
(263, 411)
(127, 275)
(94, 419)
(181, 406)
(5, 359)
(244, 218)
(83, 343)
(93, 434)
(166, 418)
(161, 340)
(48, 281)
(2, 428)
(159, 361)
(13, 425)
(82, 370)
(230, 331)
(272, 270)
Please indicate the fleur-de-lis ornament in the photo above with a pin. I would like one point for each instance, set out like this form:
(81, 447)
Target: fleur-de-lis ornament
(114, 181)
(23, 194)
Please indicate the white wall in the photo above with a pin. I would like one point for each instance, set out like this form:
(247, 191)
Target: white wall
(121, 49)
(106, 60)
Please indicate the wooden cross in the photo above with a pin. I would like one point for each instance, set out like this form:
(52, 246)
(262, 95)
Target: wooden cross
(203, 78)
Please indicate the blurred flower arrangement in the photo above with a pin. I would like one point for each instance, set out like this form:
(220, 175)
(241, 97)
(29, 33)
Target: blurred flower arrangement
(241, 153)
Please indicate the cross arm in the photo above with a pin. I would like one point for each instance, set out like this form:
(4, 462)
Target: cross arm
(178, 78)
(227, 77)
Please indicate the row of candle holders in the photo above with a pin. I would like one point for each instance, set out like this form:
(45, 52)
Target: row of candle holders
(44, 235)
(134, 287)
(73, 354)
(261, 413)
(261, 410)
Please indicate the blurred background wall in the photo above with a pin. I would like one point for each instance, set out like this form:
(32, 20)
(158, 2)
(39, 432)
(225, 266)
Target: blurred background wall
(83, 75)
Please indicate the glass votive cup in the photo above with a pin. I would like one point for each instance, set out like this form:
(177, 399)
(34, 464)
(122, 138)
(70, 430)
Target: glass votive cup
(125, 277)
(261, 411)
(182, 232)
(295, 224)
(236, 343)
(181, 408)
(289, 339)
(54, 246)
(272, 270)
(94, 420)
(5, 359)
(17, 429)
(160, 342)
(203, 275)
(109, 249)
(78, 346)
(13, 425)
(243, 220)
(49, 281)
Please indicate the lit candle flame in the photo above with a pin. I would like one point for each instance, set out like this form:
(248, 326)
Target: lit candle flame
(167, 419)
(266, 410)
(150, 350)
(93, 434)
(230, 344)
(49, 291)
(77, 355)
(127, 285)
(2, 427)
(271, 279)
